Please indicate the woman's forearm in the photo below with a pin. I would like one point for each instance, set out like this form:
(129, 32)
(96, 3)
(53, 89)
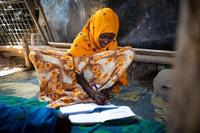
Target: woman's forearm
(89, 90)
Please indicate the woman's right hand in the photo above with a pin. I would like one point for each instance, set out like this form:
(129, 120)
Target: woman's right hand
(101, 100)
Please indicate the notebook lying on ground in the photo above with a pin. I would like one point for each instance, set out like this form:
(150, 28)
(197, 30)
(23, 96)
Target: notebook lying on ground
(92, 113)
(84, 108)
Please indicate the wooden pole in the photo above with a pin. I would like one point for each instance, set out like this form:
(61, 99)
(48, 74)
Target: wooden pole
(184, 115)
(8, 50)
(59, 45)
(142, 55)
(45, 20)
(35, 21)
(26, 50)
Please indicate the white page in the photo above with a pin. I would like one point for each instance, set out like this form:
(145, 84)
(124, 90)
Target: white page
(109, 114)
(83, 108)
(86, 118)
(117, 113)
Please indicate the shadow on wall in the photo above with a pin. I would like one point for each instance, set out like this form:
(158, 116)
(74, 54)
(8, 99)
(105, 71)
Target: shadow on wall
(144, 23)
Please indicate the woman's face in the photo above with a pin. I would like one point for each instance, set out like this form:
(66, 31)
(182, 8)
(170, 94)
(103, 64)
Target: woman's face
(105, 39)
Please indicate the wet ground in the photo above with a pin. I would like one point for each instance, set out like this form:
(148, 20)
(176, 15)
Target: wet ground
(138, 94)
(10, 64)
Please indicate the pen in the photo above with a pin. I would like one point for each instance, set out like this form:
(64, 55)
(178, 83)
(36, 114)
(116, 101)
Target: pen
(96, 87)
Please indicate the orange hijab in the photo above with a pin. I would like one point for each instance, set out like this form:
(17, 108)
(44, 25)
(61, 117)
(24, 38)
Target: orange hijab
(86, 43)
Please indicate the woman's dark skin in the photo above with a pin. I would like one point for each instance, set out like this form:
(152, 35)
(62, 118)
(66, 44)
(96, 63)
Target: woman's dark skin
(105, 39)
(100, 98)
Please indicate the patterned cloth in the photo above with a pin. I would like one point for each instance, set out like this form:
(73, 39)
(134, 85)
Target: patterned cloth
(57, 73)
(140, 126)
(87, 43)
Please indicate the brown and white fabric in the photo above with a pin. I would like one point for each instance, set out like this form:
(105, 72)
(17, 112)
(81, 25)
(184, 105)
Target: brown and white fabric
(57, 73)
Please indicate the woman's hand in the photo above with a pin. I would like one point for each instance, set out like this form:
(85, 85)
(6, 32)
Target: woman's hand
(100, 99)
(106, 92)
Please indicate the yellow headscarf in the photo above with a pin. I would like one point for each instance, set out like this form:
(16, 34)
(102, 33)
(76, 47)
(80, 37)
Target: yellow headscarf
(86, 43)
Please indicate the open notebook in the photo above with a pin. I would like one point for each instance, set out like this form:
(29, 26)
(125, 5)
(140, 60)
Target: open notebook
(93, 113)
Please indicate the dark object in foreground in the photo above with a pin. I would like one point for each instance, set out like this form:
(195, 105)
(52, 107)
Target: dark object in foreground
(21, 119)
(185, 106)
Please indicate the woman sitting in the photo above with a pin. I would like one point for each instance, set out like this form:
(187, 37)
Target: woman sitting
(88, 71)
